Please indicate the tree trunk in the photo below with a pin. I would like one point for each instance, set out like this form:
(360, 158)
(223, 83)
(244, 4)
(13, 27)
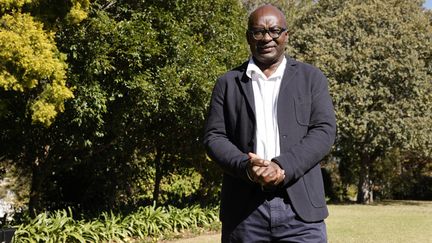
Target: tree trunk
(39, 173)
(158, 176)
(35, 201)
(364, 187)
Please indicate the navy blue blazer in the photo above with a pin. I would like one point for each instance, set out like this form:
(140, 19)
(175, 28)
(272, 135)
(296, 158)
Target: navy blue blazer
(307, 130)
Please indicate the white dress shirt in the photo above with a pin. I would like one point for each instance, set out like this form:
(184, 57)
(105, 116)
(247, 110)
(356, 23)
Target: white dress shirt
(266, 91)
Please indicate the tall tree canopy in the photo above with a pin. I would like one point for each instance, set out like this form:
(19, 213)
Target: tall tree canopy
(33, 77)
(142, 73)
(377, 56)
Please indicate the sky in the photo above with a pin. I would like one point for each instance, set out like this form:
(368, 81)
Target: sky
(428, 4)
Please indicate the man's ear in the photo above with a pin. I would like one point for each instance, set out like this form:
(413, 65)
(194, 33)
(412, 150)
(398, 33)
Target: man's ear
(286, 37)
(248, 37)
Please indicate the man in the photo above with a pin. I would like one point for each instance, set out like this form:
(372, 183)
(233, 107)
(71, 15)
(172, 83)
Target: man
(270, 122)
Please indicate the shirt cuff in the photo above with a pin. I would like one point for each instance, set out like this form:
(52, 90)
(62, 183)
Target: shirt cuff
(248, 175)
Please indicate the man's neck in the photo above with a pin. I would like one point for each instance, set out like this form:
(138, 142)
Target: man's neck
(270, 68)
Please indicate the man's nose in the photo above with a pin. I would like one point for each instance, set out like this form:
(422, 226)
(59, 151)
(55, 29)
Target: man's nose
(267, 37)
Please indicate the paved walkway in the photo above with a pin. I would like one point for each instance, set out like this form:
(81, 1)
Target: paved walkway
(213, 238)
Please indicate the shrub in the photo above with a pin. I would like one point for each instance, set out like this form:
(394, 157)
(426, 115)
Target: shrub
(147, 223)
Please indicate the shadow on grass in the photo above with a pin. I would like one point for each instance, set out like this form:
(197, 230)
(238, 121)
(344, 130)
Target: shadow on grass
(385, 203)
(401, 202)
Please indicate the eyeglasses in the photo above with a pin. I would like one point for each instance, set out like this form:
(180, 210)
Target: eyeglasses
(258, 34)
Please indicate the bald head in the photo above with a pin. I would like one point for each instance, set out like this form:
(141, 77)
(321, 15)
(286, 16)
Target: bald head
(266, 10)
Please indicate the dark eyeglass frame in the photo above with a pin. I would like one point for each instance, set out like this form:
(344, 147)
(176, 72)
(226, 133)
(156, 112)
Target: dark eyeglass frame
(259, 34)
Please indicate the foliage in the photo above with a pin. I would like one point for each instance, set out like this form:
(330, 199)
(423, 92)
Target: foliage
(335, 190)
(30, 61)
(379, 68)
(412, 177)
(78, 12)
(7, 5)
(142, 73)
(31, 66)
(33, 86)
(181, 188)
(145, 224)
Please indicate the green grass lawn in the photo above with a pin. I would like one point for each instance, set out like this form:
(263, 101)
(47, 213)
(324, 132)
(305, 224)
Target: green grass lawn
(392, 221)
(385, 222)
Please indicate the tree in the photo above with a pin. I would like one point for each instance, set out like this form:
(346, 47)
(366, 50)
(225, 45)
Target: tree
(377, 56)
(142, 73)
(33, 86)
(31, 67)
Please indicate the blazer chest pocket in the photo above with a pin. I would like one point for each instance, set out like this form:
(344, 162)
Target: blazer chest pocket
(302, 107)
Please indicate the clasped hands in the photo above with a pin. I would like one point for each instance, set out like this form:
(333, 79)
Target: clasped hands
(266, 173)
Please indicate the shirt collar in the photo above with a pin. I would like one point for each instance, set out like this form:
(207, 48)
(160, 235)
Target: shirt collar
(253, 68)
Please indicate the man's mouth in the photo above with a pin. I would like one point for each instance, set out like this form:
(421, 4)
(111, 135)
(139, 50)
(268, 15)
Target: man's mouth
(265, 49)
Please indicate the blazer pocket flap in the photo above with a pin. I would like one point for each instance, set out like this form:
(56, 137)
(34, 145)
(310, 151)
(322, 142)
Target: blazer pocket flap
(315, 187)
(303, 110)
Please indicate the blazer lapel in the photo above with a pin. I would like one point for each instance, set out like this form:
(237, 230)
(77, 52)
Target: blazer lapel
(289, 73)
(246, 82)
(247, 90)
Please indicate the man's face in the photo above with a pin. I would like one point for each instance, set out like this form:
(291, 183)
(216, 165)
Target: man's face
(267, 50)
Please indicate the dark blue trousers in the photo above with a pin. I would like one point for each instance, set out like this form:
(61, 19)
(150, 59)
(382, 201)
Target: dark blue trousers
(274, 221)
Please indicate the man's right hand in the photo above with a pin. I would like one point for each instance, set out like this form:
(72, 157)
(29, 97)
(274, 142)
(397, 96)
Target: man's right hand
(264, 172)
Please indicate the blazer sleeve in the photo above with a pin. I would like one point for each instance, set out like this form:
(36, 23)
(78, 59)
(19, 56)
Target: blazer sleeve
(311, 149)
(219, 146)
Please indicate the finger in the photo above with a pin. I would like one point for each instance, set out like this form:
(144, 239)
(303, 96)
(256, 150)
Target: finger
(273, 171)
(256, 160)
(264, 176)
(276, 179)
(255, 173)
(252, 155)
(268, 174)
(260, 171)
(280, 179)
(259, 162)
